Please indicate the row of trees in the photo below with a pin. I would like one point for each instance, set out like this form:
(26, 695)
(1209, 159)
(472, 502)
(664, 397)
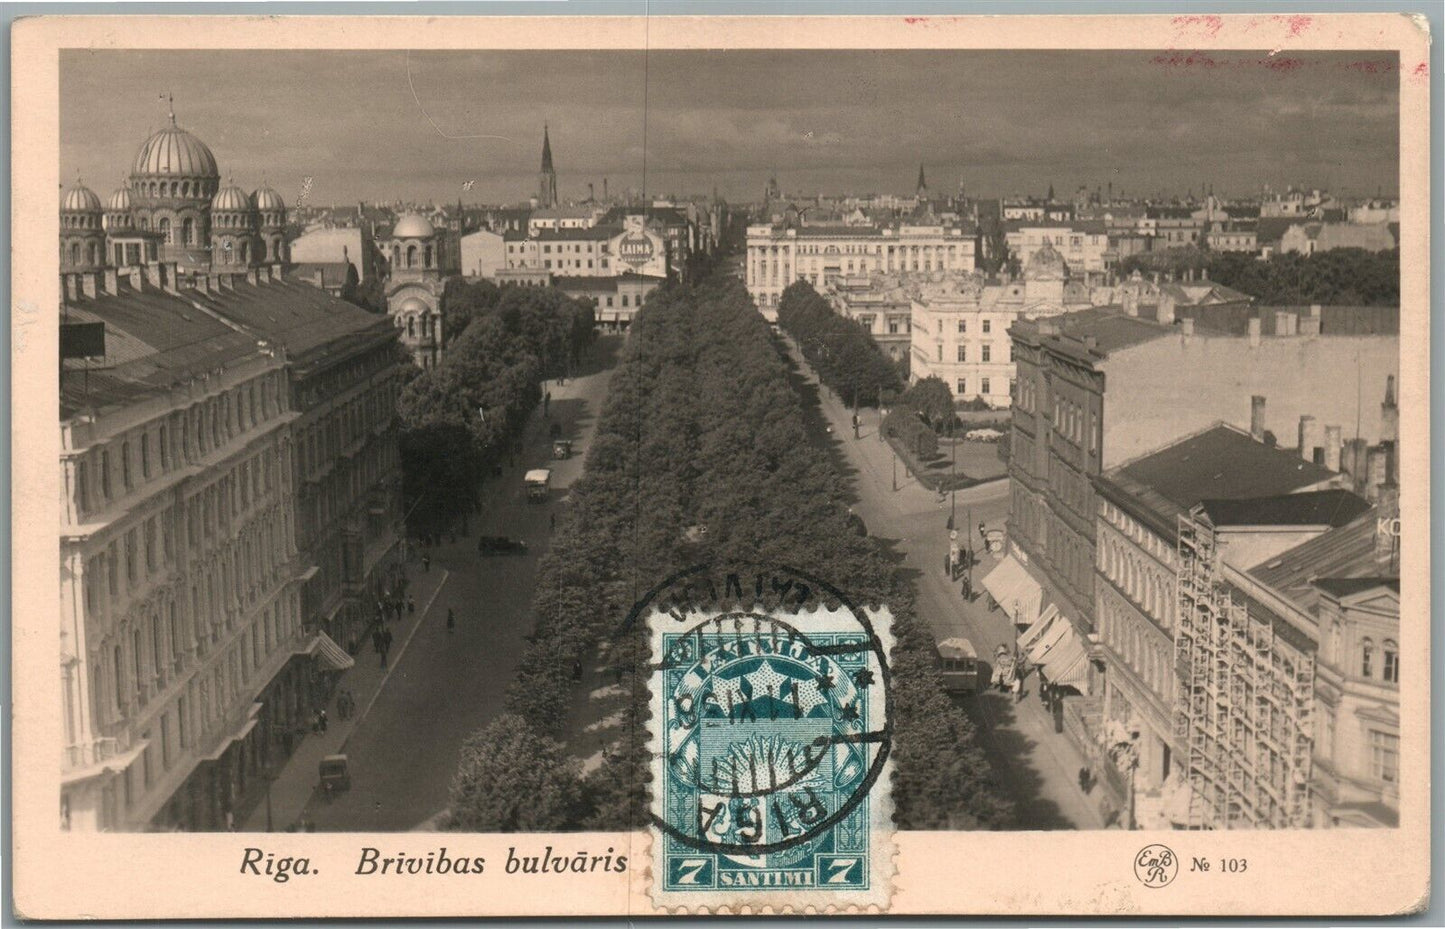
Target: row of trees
(462, 417)
(839, 349)
(701, 429)
(1340, 277)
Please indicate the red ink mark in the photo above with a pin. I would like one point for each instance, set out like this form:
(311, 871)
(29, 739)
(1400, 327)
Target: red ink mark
(1295, 24)
(1209, 25)
(915, 20)
(1421, 70)
(1372, 66)
(1187, 60)
(1283, 65)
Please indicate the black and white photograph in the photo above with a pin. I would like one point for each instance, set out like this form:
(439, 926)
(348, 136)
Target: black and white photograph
(402, 389)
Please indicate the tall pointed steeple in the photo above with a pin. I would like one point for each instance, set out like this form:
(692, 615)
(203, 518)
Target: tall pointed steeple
(922, 184)
(547, 183)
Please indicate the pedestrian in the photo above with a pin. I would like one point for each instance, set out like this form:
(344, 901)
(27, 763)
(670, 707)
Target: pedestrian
(410, 604)
(451, 619)
(1018, 688)
(321, 719)
(576, 671)
(386, 640)
(426, 563)
(554, 521)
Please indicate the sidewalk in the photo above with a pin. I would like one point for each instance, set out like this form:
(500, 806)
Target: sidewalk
(297, 781)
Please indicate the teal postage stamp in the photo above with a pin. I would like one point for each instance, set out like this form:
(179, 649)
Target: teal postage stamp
(770, 745)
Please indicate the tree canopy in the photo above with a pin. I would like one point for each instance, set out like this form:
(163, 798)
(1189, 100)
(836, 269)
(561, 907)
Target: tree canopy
(1339, 277)
(839, 349)
(544, 783)
(703, 428)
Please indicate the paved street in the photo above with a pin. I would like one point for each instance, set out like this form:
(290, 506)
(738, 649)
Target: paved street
(1034, 766)
(444, 686)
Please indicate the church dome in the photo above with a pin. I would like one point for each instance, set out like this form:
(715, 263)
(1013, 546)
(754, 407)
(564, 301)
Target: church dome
(413, 226)
(1046, 265)
(232, 199)
(174, 152)
(119, 201)
(80, 199)
(268, 199)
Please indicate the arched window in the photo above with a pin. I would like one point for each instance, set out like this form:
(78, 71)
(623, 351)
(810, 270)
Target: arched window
(75, 253)
(1367, 658)
(276, 248)
(396, 256)
(1391, 662)
(164, 228)
(411, 256)
(93, 253)
(428, 256)
(245, 252)
(188, 231)
(411, 327)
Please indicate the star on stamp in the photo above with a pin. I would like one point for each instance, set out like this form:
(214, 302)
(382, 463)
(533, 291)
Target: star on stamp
(770, 743)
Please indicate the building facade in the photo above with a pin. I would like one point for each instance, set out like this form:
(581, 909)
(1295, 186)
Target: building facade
(778, 255)
(414, 291)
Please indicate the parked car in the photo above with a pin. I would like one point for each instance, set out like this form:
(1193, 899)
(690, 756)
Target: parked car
(500, 545)
(983, 435)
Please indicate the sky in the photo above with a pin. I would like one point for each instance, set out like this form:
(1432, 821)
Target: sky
(420, 125)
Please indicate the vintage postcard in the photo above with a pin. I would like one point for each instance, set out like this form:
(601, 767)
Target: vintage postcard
(641, 465)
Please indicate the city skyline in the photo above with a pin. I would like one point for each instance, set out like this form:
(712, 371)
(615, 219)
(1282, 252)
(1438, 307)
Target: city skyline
(1147, 122)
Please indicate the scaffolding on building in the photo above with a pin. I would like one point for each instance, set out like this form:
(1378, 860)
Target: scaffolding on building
(1245, 703)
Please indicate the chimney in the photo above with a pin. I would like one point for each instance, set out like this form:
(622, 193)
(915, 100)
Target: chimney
(1284, 322)
(87, 284)
(1309, 326)
(203, 283)
(1332, 447)
(1254, 332)
(1188, 326)
(1315, 310)
(251, 277)
(72, 290)
(154, 273)
(112, 282)
(1389, 413)
(1352, 462)
(1166, 310)
(1309, 440)
(228, 280)
(1376, 460)
(1256, 418)
(137, 278)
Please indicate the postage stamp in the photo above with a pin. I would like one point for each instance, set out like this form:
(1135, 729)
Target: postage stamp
(770, 743)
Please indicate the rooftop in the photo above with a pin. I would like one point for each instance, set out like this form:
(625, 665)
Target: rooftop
(1346, 553)
(1333, 508)
(1221, 463)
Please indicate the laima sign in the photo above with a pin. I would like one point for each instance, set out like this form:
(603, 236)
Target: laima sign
(636, 249)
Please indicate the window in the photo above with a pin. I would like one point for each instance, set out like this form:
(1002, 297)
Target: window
(987, 326)
(962, 386)
(987, 352)
(130, 546)
(984, 388)
(963, 353)
(963, 325)
(1391, 662)
(82, 495)
(1367, 658)
(164, 442)
(1384, 756)
(150, 544)
(112, 569)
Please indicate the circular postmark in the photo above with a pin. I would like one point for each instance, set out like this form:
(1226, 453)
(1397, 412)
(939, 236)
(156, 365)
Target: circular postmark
(1156, 865)
(773, 723)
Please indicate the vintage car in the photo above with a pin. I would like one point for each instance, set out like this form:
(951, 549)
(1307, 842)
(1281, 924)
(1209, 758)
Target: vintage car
(500, 545)
(335, 774)
(958, 664)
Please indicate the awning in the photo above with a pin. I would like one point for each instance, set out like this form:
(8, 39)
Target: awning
(331, 656)
(113, 765)
(1030, 636)
(241, 732)
(1014, 590)
(1048, 639)
(1066, 660)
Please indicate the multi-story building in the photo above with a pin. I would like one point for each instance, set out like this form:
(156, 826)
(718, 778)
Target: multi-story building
(617, 298)
(1309, 238)
(1257, 501)
(190, 654)
(1098, 387)
(778, 255)
(960, 324)
(1084, 244)
(180, 582)
(880, 303)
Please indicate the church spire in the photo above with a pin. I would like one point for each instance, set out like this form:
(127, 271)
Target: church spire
(922, 184)
(547, 183)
